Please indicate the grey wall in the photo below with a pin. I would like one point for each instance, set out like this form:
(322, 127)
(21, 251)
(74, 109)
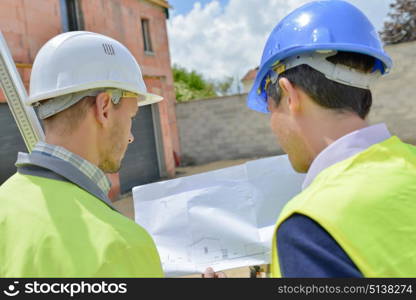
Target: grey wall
(11, 142)
(224, 128)
(140, 164)
(395, 95)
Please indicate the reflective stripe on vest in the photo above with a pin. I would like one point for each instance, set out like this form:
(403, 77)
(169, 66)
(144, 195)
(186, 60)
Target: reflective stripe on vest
(367, 203)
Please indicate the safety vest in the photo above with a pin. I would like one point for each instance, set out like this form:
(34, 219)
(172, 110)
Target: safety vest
(51, 228)
(367, 203)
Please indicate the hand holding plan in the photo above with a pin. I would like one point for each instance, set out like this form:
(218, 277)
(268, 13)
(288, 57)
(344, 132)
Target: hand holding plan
(210, 273)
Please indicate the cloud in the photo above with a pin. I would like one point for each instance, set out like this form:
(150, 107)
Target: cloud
(228, 41)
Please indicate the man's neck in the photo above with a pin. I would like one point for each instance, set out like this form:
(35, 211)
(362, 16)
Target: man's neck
(77, 143)
(327, 130)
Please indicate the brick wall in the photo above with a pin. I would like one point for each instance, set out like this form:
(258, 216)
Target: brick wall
(26, 26)
(224, 128)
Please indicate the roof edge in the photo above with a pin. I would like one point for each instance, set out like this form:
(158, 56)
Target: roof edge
(162, 3)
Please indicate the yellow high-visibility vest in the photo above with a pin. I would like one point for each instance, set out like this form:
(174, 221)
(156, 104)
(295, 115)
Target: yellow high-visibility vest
(367, 203)
(51, 228)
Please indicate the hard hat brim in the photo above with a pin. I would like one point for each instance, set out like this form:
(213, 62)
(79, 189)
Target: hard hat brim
(149, 99)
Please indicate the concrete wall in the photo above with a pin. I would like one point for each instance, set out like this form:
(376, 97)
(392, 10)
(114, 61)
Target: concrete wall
(224, 128)
(395, 95)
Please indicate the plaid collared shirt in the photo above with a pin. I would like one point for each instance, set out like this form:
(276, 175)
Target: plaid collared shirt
(89, 170)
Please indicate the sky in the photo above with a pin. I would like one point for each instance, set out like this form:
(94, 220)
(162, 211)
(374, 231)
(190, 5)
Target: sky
(220, 38)
(181, 7)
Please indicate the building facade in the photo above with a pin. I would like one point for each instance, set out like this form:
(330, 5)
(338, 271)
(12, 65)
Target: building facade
(138, 24)
(248, 80)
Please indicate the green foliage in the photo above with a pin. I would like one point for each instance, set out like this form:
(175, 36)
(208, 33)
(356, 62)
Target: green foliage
(191, 85)
(402, 24)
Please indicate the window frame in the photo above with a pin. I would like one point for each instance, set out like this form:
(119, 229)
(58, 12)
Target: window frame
(147, 39)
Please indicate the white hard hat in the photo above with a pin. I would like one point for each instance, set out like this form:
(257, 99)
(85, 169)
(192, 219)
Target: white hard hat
(79, 60)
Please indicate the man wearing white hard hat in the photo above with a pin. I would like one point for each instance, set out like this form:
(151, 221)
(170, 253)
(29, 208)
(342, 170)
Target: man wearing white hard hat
(55, 215)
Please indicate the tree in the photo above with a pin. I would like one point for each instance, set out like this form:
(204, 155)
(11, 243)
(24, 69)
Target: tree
(402, 24)
(191, 85)
(223, 87)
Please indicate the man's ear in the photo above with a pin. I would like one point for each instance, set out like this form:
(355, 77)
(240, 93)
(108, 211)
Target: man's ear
(102, 108)
(290, 94)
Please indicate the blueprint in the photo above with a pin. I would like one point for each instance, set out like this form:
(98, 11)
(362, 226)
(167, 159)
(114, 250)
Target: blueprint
(222, 219)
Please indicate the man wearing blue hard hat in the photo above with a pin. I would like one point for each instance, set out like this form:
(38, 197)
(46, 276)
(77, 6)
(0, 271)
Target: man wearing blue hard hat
(356, 214)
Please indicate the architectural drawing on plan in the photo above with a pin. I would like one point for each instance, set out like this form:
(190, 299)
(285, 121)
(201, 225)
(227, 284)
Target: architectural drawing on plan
(211, 250)
(205, 250)
(222, 219)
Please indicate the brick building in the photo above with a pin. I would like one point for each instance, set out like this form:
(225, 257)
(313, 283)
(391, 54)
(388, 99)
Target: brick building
(248, 79)
(141, 26)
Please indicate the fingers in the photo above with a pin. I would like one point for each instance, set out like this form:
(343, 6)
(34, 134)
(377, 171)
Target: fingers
(220, 275)
(210, 273)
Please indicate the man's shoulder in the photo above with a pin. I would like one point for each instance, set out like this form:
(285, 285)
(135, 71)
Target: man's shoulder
(384, 159)
(40, 196)
(28, 186)
(48, 200)
(389, 168)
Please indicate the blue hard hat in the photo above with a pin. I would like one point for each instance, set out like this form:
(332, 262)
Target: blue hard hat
(319, 25)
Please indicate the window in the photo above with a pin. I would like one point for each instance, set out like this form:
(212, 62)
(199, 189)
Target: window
(71, 15)
(148, 49)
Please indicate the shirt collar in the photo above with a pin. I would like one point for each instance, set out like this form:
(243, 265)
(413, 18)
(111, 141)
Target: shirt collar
(87, 168)
(346, 147)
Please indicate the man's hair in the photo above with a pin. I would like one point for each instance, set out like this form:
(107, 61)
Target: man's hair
(68, 120)
(327, 93)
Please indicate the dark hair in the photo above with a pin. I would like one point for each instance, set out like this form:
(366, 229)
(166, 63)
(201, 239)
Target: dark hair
(327, 93)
